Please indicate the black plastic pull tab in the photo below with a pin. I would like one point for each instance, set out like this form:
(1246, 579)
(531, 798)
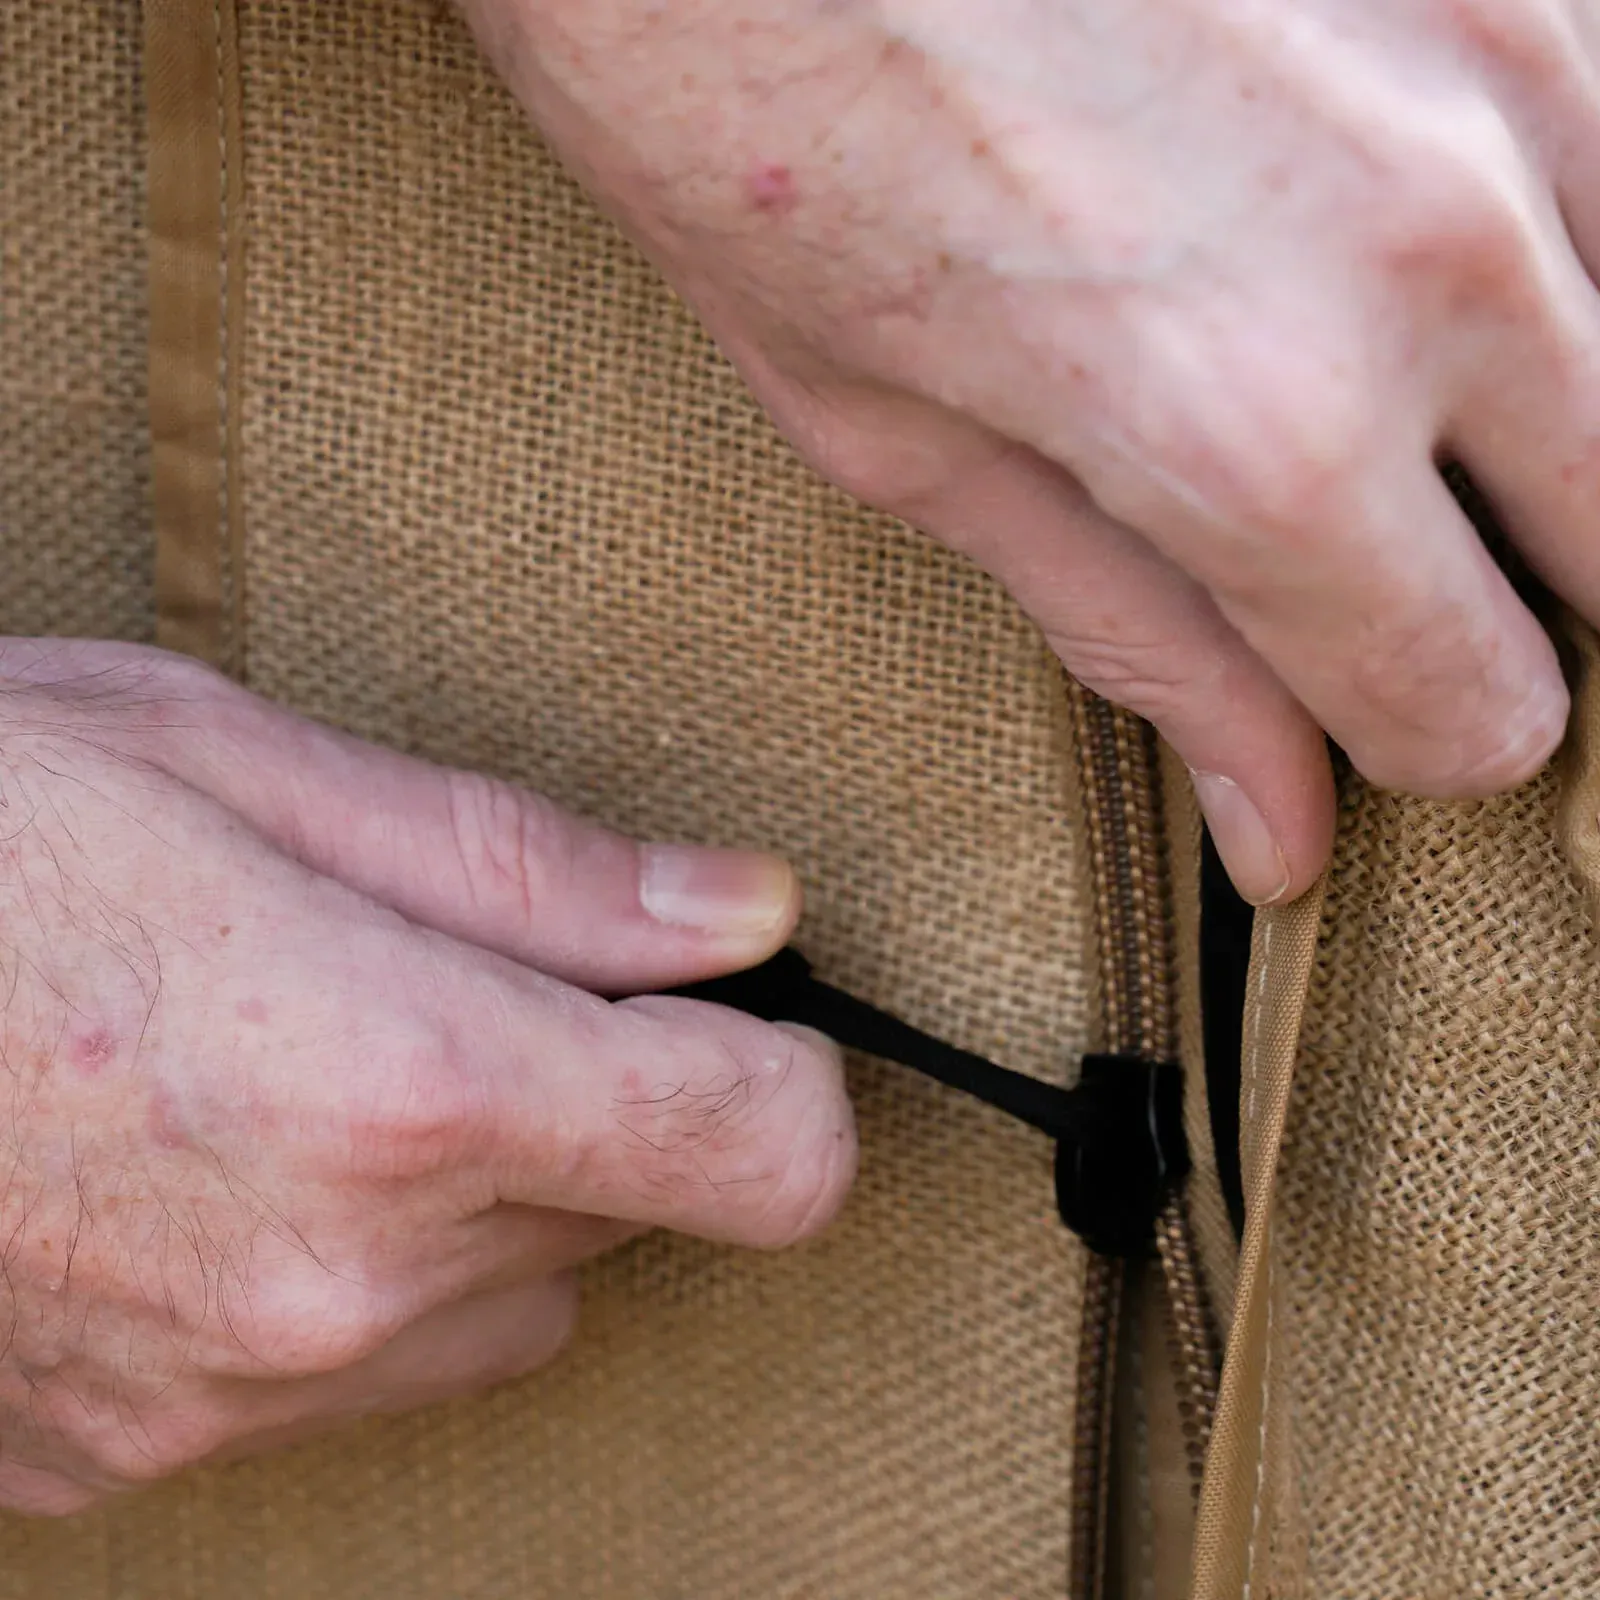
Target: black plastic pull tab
(1120, 1146)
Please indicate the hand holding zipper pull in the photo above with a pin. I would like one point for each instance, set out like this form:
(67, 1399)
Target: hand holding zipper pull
(1120, 1146)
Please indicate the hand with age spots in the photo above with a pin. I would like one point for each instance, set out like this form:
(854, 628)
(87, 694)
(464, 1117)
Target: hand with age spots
(310, 1109)
(1164, 312)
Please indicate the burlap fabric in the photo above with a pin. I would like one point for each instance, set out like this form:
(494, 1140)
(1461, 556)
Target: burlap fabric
(505, 507)
(74, 438)
(1426, 1388)
(1439, 1214)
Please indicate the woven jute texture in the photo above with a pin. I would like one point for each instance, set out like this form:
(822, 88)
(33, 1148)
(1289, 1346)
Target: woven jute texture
(74, 433)
(1437, 1240)
(505, 507)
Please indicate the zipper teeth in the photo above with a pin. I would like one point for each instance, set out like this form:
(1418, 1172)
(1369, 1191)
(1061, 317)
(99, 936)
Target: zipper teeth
(1196, 1344)
(1120, 763)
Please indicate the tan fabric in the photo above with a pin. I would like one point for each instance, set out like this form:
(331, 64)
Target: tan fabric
(502, 505)
(196, 194)
(1431, 1386)
(1246, 1508)
(74, 433)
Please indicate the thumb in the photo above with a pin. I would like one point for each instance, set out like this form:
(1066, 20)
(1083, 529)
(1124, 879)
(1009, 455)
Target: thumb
(1122, 618)
(1128, 624)
(484, 861)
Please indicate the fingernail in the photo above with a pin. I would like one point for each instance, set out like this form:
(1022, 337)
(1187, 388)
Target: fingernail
(715, 891)
(1244, 841)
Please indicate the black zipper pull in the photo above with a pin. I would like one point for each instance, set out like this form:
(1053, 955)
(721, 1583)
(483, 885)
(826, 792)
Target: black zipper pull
(1120, 1147)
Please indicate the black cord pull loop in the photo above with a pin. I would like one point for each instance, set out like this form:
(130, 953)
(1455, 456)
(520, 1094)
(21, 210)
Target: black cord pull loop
(1120, 1145)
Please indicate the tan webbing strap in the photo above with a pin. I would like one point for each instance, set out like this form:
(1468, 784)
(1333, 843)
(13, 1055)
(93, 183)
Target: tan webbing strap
(1238, 1501)
(196, 304)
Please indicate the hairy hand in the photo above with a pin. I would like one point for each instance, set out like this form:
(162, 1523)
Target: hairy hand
(307, 1111)
(1164, 311)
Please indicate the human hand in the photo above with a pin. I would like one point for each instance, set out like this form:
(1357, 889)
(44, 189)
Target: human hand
(1163, 312)
(309, 1113)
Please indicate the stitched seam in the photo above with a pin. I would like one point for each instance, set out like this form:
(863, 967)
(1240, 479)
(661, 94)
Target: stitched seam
(1266, 1361)
(224, 574)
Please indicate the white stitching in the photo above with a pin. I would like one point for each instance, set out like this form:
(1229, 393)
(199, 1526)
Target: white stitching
(1266, 1360)
(224, 289)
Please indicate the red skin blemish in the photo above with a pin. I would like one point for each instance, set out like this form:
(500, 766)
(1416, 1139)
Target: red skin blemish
(252, 1010)
(91, 1051)
(772, 190)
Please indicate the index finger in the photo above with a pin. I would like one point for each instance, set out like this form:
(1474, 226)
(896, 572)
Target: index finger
(668, 1113)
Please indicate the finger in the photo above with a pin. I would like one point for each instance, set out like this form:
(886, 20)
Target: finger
(509, 1244)
(1326, 536)
(485, 861)
(660, 1112)
(1421, 662)
(457, 1349)
(1122, 618)
(1130, 626)
(464, 1347)
(1527, 427)
(511, 871)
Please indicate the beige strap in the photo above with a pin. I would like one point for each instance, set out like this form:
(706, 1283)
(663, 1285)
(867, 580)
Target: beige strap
(196, 196)
(1238, 1501)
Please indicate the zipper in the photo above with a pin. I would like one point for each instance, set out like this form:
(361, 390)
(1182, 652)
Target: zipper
(1120, 1157)
(1120, 781)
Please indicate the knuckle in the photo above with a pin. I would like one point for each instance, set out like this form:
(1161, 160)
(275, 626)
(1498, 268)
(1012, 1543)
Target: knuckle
(858, 464)
(322, 1327)
(418, 1113)
(749, 1131)
(886, 453)
(1456, 207)
(1462, 728)
(1257, 460)
(1417, 661)
(1155, 678)
(509, 842)
(1291, 467)
(138, 1451)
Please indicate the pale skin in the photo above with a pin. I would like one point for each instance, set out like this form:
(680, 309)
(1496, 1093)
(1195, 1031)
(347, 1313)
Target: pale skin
(1162, 310)
(310, 1108)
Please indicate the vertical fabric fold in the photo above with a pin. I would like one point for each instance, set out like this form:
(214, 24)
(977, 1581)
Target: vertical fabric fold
(196, 303)
(1242, 1503)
